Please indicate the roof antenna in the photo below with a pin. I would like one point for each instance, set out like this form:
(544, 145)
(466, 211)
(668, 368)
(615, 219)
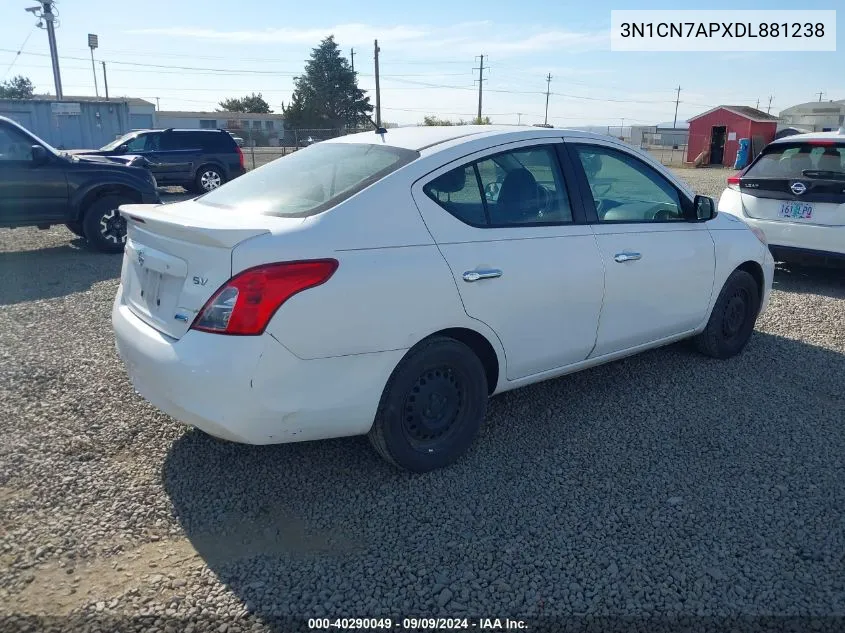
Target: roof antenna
(378, 129)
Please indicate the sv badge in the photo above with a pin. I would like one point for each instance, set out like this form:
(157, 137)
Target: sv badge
(200, 281)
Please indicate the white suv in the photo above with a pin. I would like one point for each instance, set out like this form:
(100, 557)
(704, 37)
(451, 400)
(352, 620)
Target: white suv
(795, 193)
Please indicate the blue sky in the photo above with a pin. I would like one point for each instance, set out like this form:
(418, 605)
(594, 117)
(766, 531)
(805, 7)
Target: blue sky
(428, 50)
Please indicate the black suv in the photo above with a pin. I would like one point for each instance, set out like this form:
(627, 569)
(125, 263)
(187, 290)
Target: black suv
(40, 186)
(199, 160)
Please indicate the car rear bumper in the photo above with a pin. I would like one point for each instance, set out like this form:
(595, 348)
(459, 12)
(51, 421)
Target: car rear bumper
(250, 389)
(787, 235)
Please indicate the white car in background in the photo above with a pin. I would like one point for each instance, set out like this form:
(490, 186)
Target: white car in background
(387, 284)
(795, 193)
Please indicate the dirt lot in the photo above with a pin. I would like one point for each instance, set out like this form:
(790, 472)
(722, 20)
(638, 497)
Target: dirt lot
(666, 485)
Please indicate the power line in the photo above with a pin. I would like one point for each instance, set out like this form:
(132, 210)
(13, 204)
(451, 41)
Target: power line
(20, 50)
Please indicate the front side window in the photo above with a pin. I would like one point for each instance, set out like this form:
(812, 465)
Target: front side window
(625, 189)
(310, 180)
(14, 146)
(520, 187)
(139, 143)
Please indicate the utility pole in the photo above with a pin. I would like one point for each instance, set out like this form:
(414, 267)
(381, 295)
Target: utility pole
(352, 56)
(45, 13)
(677, 101)
(519, 118)
(757, 107)
(378, 91)
(820, 97)
(770, 105)
(105, 80)
(93, 42)
(622, 129)
(158, 106)
(548, 87)
(480, 84)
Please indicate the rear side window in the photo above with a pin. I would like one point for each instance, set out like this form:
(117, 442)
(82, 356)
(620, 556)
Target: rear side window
(519, 187)
(800, 160)
(310, 180)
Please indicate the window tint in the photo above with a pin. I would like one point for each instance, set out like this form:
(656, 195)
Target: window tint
(524, 187)
(14, 146)
(457, 191)
(625, 189)
(310, 180)
(137, 144)
(787, 160)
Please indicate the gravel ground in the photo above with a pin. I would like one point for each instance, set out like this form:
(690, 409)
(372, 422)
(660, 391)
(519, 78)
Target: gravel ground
(663, 486)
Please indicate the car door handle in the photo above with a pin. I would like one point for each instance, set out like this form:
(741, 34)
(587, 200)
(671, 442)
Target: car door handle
(627, 257)
(487, 273)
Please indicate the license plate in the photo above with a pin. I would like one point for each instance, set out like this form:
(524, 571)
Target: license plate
(796, 210)
(150, 286)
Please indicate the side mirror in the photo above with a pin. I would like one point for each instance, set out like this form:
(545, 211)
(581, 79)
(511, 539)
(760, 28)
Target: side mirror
(704, 208)
(39, 155)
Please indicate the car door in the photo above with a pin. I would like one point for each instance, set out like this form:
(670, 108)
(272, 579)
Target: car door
(30, 192)
(523, 258)
(659, 266)
(177, 154)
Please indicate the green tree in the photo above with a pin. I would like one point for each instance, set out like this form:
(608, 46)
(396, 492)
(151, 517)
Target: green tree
(19, 87)
(327, 95)
(254, 103)
(433, 120)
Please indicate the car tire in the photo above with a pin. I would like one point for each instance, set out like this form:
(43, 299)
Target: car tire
(732, 320)
(208, 178)
(432, 406)
(103, 226)
(75, 228)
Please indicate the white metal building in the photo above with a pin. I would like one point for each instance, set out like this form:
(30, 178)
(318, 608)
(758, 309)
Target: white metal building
(814, 116)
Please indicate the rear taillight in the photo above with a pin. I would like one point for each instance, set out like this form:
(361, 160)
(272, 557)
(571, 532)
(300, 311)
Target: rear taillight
(246, 303)
(240, 156)
(733, 181)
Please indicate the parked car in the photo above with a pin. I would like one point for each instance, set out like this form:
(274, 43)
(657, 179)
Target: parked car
(40, 186)
(238, 140)
(374, 284)
(199, 160)
(794, 191)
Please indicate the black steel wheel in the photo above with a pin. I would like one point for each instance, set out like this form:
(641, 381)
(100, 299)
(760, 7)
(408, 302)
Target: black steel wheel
(432, 406)
(732, 320)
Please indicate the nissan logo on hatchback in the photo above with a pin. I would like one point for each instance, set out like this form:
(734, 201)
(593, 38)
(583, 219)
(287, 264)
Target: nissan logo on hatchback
(798, 188)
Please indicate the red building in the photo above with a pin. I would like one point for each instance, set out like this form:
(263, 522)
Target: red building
(720, 130)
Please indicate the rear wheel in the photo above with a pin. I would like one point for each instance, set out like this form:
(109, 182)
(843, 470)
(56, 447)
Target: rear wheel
(732, 320)
(104, 227)
(208, 178)
(432, 406)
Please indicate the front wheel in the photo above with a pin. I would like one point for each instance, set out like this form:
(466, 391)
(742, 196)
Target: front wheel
(104, 227)
(732, 320)
(432, 406)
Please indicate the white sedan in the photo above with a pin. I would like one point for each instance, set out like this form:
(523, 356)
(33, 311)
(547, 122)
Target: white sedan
(387, 284)
(795, 193)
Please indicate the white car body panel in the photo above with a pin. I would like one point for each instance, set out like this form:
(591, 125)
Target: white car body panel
(824, 232)
(320, 366)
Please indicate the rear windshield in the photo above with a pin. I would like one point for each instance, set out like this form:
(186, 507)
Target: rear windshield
(310, 180)
(800, 160)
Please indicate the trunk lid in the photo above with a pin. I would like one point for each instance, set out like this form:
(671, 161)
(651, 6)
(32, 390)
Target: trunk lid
(178, 255)
(801, 181)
